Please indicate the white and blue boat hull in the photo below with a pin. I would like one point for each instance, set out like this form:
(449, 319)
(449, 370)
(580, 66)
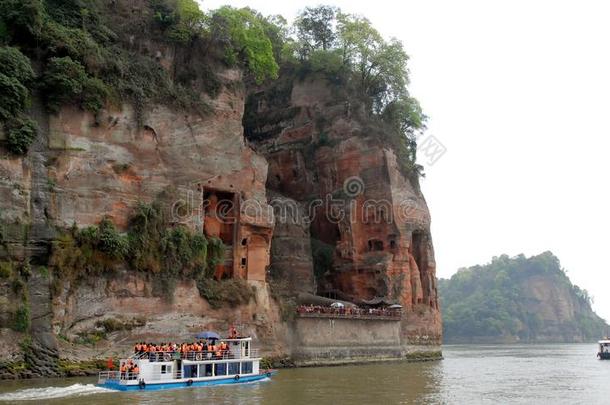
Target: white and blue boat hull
(167, 385)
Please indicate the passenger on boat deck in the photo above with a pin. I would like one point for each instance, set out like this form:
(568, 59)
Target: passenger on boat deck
(185, 349)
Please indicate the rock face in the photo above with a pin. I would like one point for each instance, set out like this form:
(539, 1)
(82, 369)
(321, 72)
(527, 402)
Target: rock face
(325, 154)
(291, 259)
(84, 168)
(349, 223)
(127, 301)
(103, 166)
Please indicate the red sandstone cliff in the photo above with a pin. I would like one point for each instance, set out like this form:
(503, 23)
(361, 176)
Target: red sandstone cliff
(326, 154)
(86, 168)
(357, 227)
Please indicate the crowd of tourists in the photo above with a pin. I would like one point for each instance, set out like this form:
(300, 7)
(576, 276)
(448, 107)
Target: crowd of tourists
(347, 311)
(129, 370)
(168, 351)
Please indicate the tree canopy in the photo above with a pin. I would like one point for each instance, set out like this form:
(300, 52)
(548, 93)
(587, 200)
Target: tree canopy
(246, 33)
(314, 28)
(348, 47)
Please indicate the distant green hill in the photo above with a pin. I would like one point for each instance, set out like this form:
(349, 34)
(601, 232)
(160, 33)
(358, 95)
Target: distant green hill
(517, 300)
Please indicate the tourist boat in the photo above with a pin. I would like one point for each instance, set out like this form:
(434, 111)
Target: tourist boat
(604, 349)
(167, 370)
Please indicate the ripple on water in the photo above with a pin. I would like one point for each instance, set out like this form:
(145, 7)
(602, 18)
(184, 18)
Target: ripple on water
(46, 393)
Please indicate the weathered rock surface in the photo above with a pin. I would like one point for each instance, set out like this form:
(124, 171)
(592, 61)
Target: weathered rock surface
(324, 153)
(84, 168)
(127, 299)
(305, 148)
(291, 260)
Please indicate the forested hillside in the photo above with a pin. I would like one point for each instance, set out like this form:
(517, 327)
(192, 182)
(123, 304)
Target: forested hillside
(517, 299)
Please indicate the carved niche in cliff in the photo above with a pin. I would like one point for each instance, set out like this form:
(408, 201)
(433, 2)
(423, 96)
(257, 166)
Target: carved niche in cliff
(246, 240)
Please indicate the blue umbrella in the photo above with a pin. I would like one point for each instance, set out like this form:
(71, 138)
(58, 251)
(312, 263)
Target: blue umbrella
(207, 335)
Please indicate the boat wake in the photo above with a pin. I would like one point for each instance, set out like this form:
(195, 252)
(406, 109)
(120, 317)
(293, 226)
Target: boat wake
(37, 394)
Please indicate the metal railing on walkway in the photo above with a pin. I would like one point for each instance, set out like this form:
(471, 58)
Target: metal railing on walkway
(309, 311)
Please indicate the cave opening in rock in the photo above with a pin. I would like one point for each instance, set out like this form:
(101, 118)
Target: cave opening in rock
(220, 214)
(375, 245)
(419, 249)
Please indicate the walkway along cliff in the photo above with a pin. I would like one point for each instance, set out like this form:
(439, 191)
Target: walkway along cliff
(152, 217)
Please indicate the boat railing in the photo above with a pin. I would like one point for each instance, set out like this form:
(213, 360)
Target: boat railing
(305, 311)
(197, 356)
(138, 356)
(116, 376)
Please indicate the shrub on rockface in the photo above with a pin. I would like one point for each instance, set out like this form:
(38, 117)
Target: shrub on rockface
(60, 41)
(66, 80)
(21, 320)
(186, 23)
(23, 19)
(16, 76)
(157, 247)
(16, 65)
(13, 97)
(20, 133)
(244, 33)
(150, 245)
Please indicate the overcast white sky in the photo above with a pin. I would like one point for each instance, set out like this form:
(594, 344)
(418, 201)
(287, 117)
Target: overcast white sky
(518, 92)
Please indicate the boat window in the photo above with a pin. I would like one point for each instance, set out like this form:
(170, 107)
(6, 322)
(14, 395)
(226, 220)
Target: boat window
(190, 371)
(220, 369)
(246, 367)
(233, 368)
(166, 369)
(208, 370)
